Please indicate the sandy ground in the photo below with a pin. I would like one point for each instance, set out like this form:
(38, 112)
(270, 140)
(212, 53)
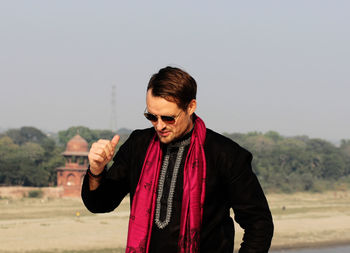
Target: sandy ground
(301, 220)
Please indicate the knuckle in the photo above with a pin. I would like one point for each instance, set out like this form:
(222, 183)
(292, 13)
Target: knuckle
(103, 141)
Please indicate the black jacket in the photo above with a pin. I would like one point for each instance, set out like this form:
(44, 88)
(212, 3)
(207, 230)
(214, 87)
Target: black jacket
(230, 183)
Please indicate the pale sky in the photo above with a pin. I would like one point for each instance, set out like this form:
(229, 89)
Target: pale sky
(259, 65)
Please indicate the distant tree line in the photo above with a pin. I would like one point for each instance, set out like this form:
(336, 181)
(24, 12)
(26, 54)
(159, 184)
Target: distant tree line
(90, 135)
(299, 163)
(28, 157)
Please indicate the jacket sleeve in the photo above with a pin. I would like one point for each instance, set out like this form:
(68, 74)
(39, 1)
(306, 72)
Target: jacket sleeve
(114, 183)
(249, 204)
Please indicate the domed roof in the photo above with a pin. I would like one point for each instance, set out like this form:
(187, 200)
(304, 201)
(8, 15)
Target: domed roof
(77, 145)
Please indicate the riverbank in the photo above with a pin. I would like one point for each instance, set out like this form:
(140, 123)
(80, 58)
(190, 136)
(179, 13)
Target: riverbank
(302, 220)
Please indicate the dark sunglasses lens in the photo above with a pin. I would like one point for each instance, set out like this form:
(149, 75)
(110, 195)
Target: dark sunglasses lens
(168, 119)
(151, 117)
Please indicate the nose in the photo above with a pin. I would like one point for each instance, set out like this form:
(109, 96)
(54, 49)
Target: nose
(160, 125)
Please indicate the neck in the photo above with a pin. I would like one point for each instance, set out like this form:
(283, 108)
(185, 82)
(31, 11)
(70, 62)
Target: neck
(187, 134)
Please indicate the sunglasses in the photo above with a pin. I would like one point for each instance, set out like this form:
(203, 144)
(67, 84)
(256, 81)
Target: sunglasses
(166, 119)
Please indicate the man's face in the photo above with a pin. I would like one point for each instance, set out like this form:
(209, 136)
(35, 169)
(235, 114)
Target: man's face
(162, 107)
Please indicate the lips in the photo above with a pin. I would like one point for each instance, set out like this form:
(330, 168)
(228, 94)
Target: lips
(163, 134)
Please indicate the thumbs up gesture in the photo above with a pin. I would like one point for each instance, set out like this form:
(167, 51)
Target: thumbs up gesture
(101, 153)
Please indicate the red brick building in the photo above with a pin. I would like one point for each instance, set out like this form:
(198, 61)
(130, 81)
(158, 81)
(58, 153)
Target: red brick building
(71, 176)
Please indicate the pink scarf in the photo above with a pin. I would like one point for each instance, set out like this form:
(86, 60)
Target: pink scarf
(142, 210)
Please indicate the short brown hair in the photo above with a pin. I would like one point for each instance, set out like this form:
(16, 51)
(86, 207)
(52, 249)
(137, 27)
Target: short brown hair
(175, 85)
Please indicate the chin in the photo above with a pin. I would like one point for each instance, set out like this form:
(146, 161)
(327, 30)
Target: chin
(165, 140)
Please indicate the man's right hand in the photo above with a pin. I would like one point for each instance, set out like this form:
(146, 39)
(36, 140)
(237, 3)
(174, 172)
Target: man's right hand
(101, 153)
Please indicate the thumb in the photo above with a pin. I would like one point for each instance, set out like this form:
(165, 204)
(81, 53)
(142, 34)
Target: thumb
(115, 140)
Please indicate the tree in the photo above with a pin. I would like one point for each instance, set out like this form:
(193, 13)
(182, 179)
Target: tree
(320, 146)
(296, 163)
(31, 171)
(50, 165)
(333, 166)
(30, 160)
(26, 134)
(86, 133)
(273, 136)
(9, 160)
(345, 147)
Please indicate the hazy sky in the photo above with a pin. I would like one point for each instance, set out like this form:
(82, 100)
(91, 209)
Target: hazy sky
(259, 65)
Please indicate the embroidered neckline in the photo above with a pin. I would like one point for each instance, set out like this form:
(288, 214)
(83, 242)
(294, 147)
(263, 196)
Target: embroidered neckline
(181, 145)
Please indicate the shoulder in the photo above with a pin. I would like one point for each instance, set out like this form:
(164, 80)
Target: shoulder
(136, 143)
(227, 157)
(142, 134)
(138, 138)
(222, 142)
(224, 147)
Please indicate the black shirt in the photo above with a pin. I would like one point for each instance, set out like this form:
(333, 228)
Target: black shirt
(165, 233)
(230, 183)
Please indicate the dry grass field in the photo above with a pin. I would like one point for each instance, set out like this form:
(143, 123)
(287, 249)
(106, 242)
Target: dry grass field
(64, 225)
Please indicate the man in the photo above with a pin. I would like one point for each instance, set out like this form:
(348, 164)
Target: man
(182, 178)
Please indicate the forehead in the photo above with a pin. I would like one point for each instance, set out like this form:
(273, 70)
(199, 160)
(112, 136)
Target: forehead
(160, 106)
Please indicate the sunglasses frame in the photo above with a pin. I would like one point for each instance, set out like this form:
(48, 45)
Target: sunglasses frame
(166, 119)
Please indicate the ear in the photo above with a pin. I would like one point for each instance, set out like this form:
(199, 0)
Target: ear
(191, 108)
